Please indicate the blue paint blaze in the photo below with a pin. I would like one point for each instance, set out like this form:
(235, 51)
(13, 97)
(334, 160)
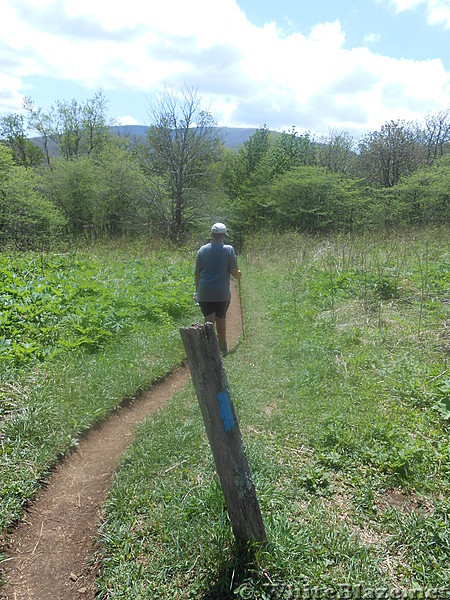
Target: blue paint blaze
(225, 410)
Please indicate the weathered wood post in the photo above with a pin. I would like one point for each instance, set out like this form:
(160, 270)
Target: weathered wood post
(222, 428)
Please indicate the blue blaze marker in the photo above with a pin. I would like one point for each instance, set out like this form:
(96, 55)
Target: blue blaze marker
(225, 410)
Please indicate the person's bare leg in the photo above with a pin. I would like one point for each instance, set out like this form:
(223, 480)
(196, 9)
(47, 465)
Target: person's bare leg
(221, 326)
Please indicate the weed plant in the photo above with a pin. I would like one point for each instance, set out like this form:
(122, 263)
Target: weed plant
(79, 332)
(341, 388)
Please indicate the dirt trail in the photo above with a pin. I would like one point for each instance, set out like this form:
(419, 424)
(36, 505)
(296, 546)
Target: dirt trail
(50, 553)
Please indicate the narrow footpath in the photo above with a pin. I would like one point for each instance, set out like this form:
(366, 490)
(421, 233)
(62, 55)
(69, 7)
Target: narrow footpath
(51, 553)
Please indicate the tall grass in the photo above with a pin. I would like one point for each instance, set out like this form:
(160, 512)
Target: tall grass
(341, 387)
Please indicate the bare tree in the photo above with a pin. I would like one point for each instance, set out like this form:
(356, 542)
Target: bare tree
(337, 151)
(39, 122)
(437, 134)
(183, 142)
(388, 154)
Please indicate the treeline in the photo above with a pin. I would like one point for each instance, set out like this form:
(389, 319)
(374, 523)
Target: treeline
(100, 185)
(399, 175)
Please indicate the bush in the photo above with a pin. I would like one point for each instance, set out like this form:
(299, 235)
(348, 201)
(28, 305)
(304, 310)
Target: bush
(26, 217)
(312, 198)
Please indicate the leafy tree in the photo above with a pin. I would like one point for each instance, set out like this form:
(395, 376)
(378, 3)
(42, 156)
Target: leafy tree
(77, 129)
(290, 150)
(255, 149)
(182, 144)
(261, 178)
(243, 174)
(121, 201)
(95, 124)
(67, 128)
(75, 188)
(105, 194)
(388, 154)
(26, 216)
(12, 132)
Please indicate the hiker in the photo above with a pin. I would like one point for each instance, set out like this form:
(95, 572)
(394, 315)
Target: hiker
(215, 261)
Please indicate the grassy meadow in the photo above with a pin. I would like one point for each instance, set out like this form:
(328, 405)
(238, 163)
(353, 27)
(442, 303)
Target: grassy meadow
(341, 386)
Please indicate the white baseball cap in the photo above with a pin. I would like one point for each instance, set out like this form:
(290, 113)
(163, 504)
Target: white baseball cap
(219, 228)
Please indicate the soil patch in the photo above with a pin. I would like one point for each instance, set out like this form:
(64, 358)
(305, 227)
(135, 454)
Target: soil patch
(50, 554)
(409, 503)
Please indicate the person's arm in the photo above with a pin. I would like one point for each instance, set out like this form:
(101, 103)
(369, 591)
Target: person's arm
(236, 273)
(234, 269)
(197, 273)
(197, 281)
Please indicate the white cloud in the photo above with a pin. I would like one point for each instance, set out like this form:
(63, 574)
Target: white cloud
(372, 38)
(402, 5)
(126, 120)
(438, 11)
(10, 98)
(251, 75)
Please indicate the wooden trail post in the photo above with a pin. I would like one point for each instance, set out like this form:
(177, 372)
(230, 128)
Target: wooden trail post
(222, 428)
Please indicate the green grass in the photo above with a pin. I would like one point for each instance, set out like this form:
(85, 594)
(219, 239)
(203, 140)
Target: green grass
(341, 388)
(79, 332)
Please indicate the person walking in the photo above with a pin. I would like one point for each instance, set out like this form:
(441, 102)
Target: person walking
(215, 262)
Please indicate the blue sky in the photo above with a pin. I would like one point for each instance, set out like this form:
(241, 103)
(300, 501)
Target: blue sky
(319, 66)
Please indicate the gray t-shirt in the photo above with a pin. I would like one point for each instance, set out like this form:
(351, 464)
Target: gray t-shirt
(215, 261)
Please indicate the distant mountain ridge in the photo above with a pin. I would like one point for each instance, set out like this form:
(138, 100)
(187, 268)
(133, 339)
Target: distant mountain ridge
(232, 137)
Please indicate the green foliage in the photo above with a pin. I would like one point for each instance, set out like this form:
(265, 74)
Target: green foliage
(255, 149)
(176, 181)
(50, 305)
(336, 152)
(121, 206)
(424, 539)
(77, 128)
(100, 195)
(75, 188)
(424, 196)
(314, 199)
(79, 332)
(26, 216)
(290, 150)
(95, 182)
(243, 174)
(293, 181)
(6, 162)
(442, 395)
(248, 174)
(24, 152)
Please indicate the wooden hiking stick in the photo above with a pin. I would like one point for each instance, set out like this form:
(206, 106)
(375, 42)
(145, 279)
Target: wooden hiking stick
(240, 304)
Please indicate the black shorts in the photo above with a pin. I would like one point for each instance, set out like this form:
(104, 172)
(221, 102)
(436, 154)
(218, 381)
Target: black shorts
(217, 308)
